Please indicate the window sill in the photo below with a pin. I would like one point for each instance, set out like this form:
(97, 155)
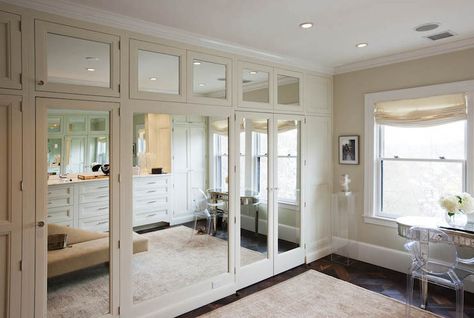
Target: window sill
(377, 220)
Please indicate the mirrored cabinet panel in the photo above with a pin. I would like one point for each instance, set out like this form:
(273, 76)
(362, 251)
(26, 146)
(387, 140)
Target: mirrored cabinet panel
(255, 87)
(10, 50)
(288, 90)
(74, 60)
(156, 71)
(209, 79)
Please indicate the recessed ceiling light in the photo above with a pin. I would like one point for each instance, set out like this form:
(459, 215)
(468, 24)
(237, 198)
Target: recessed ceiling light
(253, 72)
(306, 25)
(427, 27)
(90, 69)
(92, 58)
(361, 45)
(202, 84)
(197, 63)
(153, 78)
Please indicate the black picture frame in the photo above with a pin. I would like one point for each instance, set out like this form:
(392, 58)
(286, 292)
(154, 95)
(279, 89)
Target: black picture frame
(348, 149)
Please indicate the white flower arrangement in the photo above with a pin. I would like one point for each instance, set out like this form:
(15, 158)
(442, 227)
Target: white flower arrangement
(457, 203)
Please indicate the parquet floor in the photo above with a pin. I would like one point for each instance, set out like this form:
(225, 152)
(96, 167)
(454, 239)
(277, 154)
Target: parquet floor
(381, 280)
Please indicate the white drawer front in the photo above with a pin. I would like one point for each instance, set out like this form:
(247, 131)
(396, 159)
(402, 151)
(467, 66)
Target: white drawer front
(93, 209)
(94, 187)
(150, 183)
(59, 202)
(60, 191)
(96, 224)
(146, 204)
(61, 222)
(61, 213)
(102, 197)
(151, 217)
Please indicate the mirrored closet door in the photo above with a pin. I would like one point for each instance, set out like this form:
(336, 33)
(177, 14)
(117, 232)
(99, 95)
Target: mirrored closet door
(77, 209)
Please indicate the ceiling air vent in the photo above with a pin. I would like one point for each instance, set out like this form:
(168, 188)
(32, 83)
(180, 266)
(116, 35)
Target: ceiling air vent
(440, 36)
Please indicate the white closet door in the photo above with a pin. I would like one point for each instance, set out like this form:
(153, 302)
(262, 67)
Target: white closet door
(180, 172)
(197, 155)
(10, 206)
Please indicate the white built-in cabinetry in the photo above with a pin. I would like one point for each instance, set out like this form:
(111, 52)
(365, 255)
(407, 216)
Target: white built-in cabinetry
(85, 204)
(189, 163)
(10, 54)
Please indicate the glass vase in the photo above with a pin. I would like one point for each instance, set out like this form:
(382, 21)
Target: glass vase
(456, 219)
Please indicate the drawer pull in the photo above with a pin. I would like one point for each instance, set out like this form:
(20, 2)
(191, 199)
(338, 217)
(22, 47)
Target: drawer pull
(49, 202)
(103, 208)
(102, 222)
(151, 191)
(102, 196)
(150, 215)
(103, 187)
(151, 202)
(49, 216)
(154, 182)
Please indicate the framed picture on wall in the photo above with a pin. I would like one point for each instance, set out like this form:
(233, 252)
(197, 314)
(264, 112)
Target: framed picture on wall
(349, 150)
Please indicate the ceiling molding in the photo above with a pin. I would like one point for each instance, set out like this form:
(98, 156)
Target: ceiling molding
(407, 56)
(106, 18)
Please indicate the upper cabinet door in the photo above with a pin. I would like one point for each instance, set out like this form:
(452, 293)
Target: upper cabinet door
(157, 72)
(255, 86)
(209, 79)
(318, 94)
(73, 60)
(10, 50)
(288, 90)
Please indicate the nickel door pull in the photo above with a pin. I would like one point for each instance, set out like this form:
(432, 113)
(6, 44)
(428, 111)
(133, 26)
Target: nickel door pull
(102, 222)
(41, 224)
(41, 83)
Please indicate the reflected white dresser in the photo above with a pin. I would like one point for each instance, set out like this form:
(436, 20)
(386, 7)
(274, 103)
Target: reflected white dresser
(85, 204)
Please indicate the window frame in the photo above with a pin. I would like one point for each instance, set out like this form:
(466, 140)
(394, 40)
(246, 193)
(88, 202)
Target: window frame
(373, 145)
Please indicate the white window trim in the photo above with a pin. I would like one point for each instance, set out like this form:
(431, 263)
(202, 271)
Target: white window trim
(370, 146)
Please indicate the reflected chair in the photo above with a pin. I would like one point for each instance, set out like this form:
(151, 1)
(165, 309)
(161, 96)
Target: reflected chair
(201, 209)
(434, 259)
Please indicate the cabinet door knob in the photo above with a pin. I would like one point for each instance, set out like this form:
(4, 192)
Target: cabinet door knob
(41, 224)
(41, 83)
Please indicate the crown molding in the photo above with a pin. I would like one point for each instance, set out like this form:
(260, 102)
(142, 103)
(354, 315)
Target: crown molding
(114, 20)
(407, 56)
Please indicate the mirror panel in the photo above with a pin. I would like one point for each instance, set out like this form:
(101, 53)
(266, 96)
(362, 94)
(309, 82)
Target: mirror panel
(255, 86)
(288, 90)
(209, 79)
(76, 124)
(289, 184)
(76, 61)
(78, 272)
(54, 155)
(180, 178)
(158, 72)
(97, 124)
(54, 125)
(253, 190)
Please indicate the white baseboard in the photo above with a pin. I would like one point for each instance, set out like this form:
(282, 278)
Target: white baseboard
(181, 219)
(318, 249)
(285, 232)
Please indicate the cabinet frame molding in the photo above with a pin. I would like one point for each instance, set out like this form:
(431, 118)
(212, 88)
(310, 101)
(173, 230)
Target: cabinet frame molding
(13, 56)
(227, 62)
(241, 65)
(42, 28)
(135, 93)
(282, 107)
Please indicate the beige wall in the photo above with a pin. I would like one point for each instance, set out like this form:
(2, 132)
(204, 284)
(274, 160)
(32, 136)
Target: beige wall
(349, 90)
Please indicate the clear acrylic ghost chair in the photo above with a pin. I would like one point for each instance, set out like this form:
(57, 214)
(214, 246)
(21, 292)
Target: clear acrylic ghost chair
(201, 209)
(434, 259)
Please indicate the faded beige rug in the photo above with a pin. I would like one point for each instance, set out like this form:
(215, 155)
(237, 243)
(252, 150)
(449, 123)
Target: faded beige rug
(314, 294)
(174, 260)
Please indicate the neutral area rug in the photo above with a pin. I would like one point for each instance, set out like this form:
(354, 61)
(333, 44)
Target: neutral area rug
(314, 294)
(174, 260)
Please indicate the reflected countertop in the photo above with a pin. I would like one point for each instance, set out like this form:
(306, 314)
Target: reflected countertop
(55, 180)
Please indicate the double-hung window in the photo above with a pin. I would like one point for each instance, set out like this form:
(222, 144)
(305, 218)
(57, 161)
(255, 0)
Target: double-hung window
(417, 152)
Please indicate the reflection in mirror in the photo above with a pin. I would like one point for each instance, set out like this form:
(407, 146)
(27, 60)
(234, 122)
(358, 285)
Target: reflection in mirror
(76, 61)
(180, 202)
(78, 225)
(289, 184)
(288, 90)
(209, 79)
(255, 86)
(158, 72)
(83, 144)
(253, 190)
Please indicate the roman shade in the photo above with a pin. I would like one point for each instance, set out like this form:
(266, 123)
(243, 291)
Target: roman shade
(425, 111)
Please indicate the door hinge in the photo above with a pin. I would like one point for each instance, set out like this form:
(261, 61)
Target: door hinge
(119, 88)
(304, 120)
(21, 185)
(235, 220)
(21, 78)
(21, 106)
(19, 25)
(305, 162)
(21, 265)
(118, 111)
(119, 45)
(118, 310)
(235, 168)
(118, 243)
(235, 270)
(118, 177)
(305, 204)
(304, 245)
(235, 116)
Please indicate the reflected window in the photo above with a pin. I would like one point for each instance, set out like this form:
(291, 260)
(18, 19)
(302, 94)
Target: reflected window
(158, 72)
(209, 79)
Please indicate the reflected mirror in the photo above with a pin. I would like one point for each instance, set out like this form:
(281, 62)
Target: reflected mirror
(255, 86)
(78, 257)
(180, 202)
(289, 184)
(77, 61)
(288, 90)
(209, 79)
(158, 72)
(253, 190)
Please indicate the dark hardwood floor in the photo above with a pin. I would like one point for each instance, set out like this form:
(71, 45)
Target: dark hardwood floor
(381, 280)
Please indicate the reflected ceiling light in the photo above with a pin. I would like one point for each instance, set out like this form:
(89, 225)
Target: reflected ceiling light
(202, 84)
(306, 25)
(253, 72)
(92, 58)
(90, 69)
(427, 27)
(197, 63)
(361, 45)
(153, 78)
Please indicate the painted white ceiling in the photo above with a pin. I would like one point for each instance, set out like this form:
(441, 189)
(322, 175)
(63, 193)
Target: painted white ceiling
(272, 25)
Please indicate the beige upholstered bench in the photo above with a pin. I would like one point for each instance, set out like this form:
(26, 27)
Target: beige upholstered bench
(85, 249)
